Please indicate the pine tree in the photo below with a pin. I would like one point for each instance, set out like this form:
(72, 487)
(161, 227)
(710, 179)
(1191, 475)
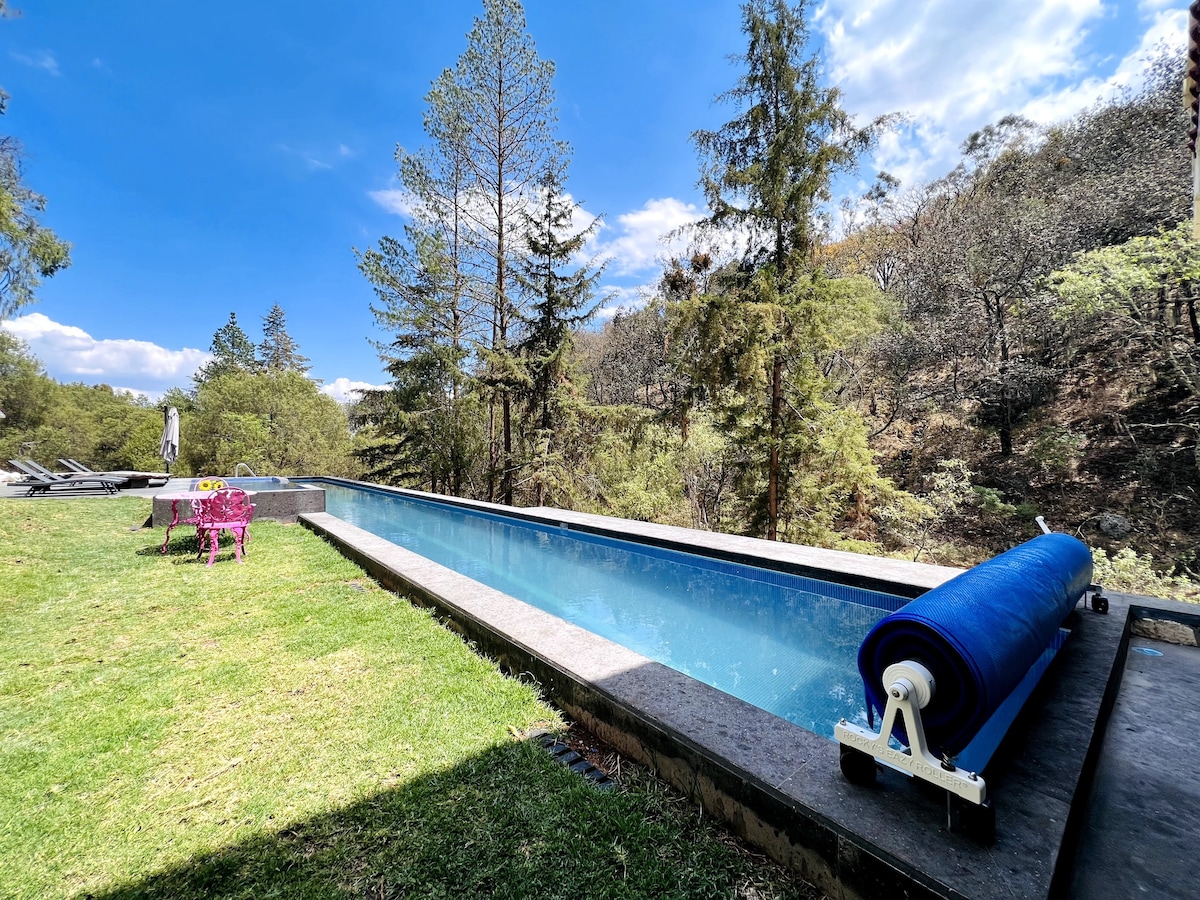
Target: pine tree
(503, 103)
(490, 121)
(278, 351)
(426, 422)
(765, 175)
(233, 352)
(557, 295)
(435, 257)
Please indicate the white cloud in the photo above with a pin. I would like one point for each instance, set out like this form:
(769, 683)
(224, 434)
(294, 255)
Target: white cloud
(948, 59)
(641, 237)
(343, 390)
(1164, 28)
(71, 354)
(136, 392)
(396, 201)
(319, 161)
(309, 160)
(956, 66)
(619, 298)
(633, 246)
(41, 60)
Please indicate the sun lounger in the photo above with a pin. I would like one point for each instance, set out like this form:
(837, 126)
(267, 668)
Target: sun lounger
(136, 479)
(28, 464)
(42, 479)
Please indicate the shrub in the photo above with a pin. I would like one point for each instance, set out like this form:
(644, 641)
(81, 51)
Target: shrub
(1127, 572)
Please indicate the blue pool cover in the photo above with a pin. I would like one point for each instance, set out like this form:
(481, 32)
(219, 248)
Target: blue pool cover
(979, 634)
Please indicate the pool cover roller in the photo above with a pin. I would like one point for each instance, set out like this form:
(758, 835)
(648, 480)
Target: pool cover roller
(978, 634)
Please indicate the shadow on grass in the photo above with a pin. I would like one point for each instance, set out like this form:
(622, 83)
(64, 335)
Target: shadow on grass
(509, 823)
(179, 546)
(186, 549)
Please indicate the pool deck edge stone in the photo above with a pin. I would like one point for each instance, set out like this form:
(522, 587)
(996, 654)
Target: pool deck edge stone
(776, 784)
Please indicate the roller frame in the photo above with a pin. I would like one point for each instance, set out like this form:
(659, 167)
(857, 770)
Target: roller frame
(905, 690)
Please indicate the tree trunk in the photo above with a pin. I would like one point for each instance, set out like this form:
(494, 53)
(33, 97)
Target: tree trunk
(493, 454)
(506, 485)
(773, 465)
(1192, 319)
(1006, 443)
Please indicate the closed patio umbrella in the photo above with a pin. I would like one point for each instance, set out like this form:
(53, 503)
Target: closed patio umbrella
(169, 449)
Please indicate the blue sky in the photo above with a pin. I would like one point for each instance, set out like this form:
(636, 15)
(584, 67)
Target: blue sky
(202, 164)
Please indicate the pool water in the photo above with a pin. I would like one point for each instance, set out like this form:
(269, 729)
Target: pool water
(257, 483)
(782, 642)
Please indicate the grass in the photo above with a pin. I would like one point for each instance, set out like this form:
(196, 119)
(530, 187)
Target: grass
(287, 728)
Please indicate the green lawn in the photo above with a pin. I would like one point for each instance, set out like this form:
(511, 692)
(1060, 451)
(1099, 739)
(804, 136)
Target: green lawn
(286, 728)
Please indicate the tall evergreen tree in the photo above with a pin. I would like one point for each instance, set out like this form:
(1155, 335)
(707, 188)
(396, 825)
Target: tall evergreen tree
(490, 120)
(423, 427)
(436, 252)
(765, 175)
(558, 294)
(232, 351)
(503, 99)
(426, 422)
(278, 351)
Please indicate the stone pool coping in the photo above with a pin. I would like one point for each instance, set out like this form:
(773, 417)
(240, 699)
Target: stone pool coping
(774, 783)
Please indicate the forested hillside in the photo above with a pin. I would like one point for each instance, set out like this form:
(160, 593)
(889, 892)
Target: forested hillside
(921, 374)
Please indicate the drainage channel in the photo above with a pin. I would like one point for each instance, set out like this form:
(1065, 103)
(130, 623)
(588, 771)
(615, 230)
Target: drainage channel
(562, 753)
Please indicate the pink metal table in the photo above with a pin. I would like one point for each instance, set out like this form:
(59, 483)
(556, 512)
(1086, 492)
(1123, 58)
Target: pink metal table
(175, 497)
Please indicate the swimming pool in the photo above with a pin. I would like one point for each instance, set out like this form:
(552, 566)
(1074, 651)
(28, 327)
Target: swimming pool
(782, 642)
(256, 483)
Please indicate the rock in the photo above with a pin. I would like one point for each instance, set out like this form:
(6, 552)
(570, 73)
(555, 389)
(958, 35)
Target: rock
(1167, 631)
(1113, 526)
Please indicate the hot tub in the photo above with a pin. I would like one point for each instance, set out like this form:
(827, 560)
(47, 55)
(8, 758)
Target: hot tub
(274, 498)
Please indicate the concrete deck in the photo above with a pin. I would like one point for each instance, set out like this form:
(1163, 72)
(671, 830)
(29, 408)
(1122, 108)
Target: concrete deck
(1140, 834)
(281, 506)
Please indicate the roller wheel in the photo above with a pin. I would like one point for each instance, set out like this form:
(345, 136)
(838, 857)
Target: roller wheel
(1100, 604)
(858, 767)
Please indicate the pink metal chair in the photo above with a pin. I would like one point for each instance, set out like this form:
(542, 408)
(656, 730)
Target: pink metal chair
(226, 509)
